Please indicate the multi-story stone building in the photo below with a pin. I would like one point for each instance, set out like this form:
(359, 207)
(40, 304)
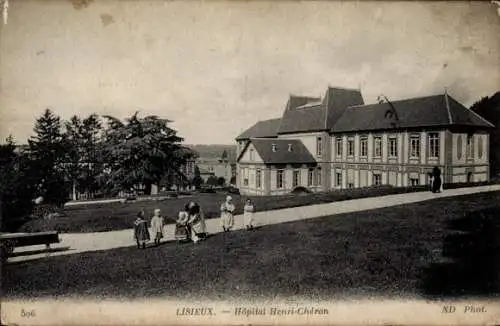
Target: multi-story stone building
(339, 142)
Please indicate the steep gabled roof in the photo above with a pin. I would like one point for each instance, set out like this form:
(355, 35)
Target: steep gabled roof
(429, 111)
(306, 119)
(265, 128)
(318, 114)
(337, 100)
(264, 147)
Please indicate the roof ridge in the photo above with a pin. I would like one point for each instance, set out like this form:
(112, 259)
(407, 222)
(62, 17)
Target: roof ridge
(268, 119)
(395, 101)
(476, 114)
(448, 106)
(262, 138)
(304, 96)
(309, 105)
(344, 88)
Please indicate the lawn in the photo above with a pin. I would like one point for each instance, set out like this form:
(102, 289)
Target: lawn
(390, 252)
(119, 216)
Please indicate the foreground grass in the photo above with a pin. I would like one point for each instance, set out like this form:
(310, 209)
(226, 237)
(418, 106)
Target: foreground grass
(120, 216)
(383, 252)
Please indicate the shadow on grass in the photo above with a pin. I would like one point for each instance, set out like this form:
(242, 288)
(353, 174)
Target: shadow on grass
(472, 250)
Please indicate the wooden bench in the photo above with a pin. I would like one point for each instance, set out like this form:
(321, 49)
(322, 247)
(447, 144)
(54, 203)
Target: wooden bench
(9, 241)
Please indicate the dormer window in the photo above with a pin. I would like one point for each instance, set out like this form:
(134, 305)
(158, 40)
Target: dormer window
(289, 147)
(274, 148)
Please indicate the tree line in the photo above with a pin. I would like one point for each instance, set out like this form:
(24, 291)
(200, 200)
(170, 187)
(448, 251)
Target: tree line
(96, 155)
(102, 155)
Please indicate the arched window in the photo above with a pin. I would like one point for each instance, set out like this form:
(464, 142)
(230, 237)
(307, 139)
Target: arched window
(480, 147)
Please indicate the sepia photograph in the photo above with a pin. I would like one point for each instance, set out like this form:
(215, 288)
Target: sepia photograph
(249, 162)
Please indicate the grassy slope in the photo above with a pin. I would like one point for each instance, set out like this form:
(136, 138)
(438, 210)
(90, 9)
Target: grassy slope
(378, 252)
(119, 216)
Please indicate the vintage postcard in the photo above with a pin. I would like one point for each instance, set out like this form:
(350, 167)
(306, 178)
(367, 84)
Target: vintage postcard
(250, 162)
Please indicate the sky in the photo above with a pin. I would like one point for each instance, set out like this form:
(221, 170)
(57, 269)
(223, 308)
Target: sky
(215, 68)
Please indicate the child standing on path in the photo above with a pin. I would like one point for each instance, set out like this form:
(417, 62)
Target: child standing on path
(157, 226)
(227, 214)
(141, 233)
(248, 211)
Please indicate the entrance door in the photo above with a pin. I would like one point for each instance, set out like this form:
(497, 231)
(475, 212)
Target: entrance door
(469, 176)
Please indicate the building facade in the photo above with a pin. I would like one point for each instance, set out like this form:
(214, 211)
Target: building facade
(338, 142)
(219, 167)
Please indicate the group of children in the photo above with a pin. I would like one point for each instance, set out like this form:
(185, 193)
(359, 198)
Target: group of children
(227, 214)
(190, 224)
(141, 232)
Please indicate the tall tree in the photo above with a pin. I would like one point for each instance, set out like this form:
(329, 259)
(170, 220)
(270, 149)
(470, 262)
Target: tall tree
(72, 138)
(48, 155)
(17, 188)
(197, 179)
(82, 140)
(142, 151)
(489, 108)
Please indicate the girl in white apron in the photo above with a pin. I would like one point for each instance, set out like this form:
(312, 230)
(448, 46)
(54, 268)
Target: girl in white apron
(248, 211)
(227, 214)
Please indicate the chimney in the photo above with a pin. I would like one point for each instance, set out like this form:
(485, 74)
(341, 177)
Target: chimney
(289, 147)
(274, 148)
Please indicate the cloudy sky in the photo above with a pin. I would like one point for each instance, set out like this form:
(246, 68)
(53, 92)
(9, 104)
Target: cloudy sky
(215, 68)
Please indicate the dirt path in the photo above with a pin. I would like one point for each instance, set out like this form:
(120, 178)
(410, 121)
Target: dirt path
(81, 242)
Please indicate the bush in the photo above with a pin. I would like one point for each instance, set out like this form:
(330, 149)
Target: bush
(233, 190)
(300, 190)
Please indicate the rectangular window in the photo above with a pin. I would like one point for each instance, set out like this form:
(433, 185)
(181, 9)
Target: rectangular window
(319, 147)
(296, 178)
(377, 148)
(318, 177)
(310, 177)
(350, 147)
(244, 173)
(434, 145)
(414, 181)
(469, 145)
(415, 146)
(364, 146)
(339, 147)
(279, 179)
(258, 179)
(393, 147)
(251, 154)
(338, 179)
(377, 179)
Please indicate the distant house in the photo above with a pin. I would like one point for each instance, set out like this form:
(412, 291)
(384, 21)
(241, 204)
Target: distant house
(338, 142)
(205, 175)
(218, 167)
